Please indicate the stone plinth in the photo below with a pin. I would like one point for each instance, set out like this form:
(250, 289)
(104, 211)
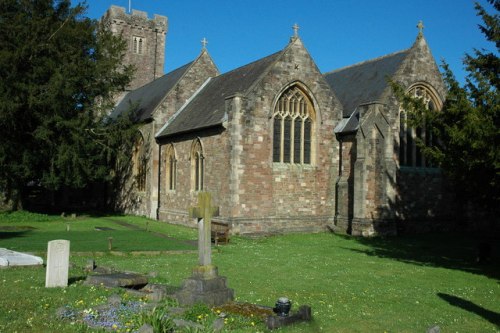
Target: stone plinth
(205, 286)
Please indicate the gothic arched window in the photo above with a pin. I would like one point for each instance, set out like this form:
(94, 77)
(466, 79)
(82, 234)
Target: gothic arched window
(409, 152)
(197, 166)
(139, 163)
(170, 167)
(293, 123)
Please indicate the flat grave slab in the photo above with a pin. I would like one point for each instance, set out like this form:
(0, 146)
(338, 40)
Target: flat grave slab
(13, 258)
(126, 280)
(103, 229)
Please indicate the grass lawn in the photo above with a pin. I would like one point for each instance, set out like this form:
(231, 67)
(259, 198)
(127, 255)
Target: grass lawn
(89, 234)
(404, 284)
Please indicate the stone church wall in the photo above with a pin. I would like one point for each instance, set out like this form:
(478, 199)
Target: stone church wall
(283, 197)
(174, 204)
(128, 199)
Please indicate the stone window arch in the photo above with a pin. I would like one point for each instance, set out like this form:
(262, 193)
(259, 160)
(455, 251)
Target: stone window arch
(409, 152)
(293, 127)
(139, 164)
(197, 166)
(170, 169)
(138, 44)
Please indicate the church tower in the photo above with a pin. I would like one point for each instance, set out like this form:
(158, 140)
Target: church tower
(145, 42)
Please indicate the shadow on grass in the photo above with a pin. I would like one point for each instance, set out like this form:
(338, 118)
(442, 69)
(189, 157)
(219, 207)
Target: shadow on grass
(75, 279)
(488, 315)
(448, 250)
(13, 234)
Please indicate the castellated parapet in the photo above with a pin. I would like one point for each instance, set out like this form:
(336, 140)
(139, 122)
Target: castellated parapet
(145, 39)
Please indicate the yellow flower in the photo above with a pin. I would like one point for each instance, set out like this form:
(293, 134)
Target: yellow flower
(253, 324)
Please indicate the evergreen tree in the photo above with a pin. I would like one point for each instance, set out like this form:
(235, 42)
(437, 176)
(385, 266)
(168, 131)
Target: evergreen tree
(60, 71)
(467, 127)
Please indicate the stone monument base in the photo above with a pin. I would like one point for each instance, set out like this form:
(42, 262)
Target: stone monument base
(205, 286)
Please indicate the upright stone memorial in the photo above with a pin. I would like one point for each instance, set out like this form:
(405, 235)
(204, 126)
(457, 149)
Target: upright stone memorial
(205, 285)
(57, 264)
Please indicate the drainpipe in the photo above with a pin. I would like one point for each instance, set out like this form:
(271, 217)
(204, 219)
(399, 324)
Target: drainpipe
(156, 54)
(338, 179)
(159, 184)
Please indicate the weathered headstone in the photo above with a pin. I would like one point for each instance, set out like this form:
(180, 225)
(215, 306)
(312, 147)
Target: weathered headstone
(57, 264)
(205, 285)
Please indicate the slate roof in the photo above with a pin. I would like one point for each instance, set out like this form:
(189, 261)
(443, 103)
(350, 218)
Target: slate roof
(148, 97)
(207, 107)
(364, 82)
(348, 125)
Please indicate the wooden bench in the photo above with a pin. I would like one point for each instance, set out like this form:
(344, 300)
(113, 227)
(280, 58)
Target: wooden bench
(220, 232)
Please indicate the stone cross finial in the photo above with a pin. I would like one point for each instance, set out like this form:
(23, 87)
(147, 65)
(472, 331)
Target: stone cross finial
(296, 30)
(420, 27)
(204, 43)
(204, 213)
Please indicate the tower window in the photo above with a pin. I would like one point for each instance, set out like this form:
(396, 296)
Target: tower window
(138, 45)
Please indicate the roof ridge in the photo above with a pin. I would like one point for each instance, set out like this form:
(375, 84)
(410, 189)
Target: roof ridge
(367, 61)
(251, 63)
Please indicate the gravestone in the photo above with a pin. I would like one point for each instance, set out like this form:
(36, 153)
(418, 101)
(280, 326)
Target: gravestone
(57, 264)
(9, 258)
(205, 285)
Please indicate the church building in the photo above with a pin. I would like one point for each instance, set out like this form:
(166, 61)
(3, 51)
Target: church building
(281, 146)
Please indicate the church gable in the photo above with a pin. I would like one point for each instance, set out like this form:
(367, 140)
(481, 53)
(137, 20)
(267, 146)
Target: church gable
(420, 67)
(146, 101)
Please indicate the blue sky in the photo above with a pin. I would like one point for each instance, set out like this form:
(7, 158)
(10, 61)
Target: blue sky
(337, 33)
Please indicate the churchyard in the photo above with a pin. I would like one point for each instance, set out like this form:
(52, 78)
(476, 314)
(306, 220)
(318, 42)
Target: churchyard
(403, 284)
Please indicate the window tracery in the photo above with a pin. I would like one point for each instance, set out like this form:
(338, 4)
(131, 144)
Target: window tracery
(293, 121)
(410, 153)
